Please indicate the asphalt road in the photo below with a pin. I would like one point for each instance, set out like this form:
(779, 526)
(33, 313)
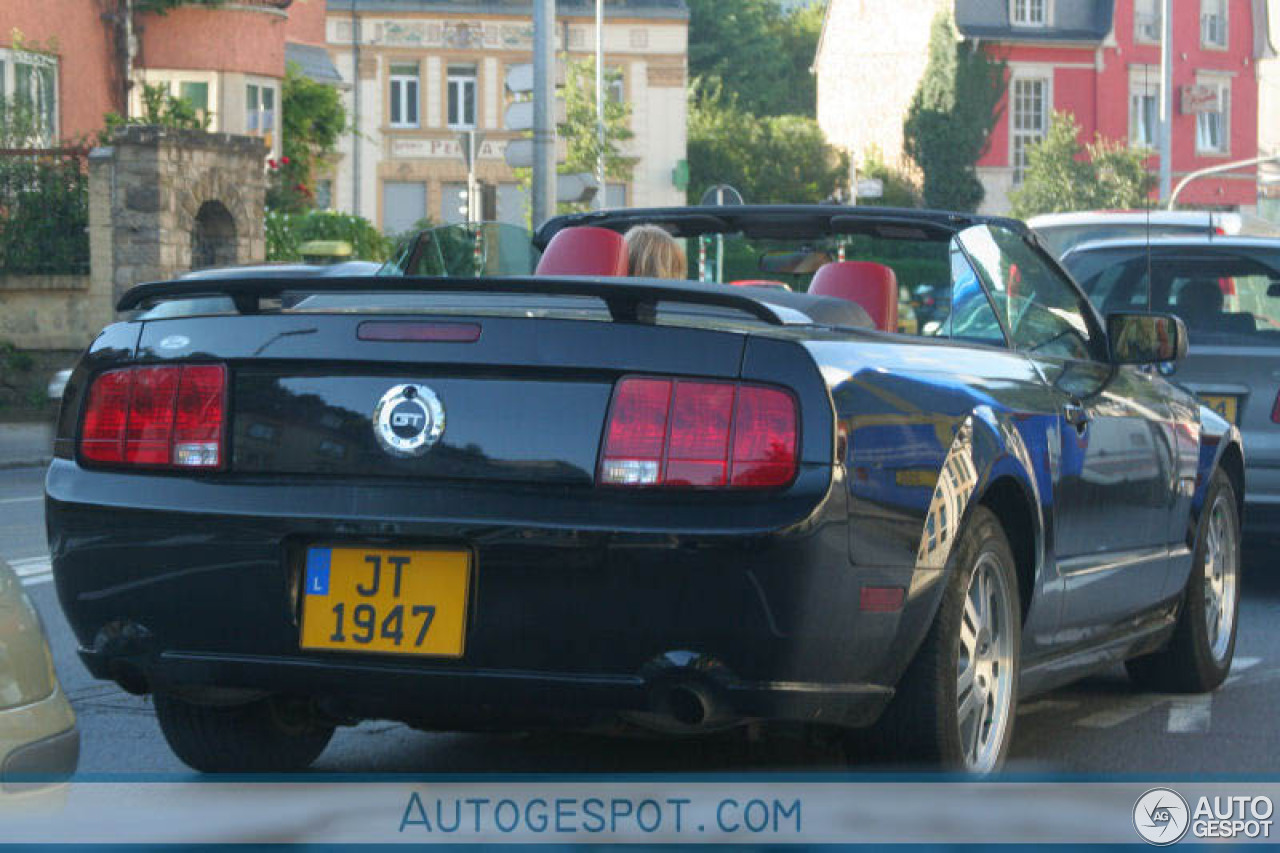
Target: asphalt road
(1102, 725)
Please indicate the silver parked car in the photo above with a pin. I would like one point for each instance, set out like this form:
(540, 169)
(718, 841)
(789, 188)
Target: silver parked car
(1227, 291)
(1061, 231)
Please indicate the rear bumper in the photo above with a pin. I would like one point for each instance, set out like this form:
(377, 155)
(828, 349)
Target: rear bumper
(753, 605)
(43, 744)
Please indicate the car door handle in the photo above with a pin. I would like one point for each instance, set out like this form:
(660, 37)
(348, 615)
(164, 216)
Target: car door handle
(1076, 415)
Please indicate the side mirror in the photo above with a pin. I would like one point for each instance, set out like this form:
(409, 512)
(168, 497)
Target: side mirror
(1146, 338)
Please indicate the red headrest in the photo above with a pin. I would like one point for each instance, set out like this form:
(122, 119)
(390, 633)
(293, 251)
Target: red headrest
(585, 250)
(873, 286)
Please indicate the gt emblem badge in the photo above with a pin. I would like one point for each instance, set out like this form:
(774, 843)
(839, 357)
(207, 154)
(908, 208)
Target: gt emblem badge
(408, 420)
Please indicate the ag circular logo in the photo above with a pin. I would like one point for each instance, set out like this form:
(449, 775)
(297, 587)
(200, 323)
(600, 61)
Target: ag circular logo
(408, 420)
(1161, 816)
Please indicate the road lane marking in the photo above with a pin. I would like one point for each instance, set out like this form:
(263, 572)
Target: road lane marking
(33, 570)
(1190, 714)
(1126, 709)
(21, 500)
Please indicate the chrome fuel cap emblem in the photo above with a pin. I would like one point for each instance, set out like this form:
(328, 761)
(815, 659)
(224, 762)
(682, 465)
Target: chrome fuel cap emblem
(408, 420)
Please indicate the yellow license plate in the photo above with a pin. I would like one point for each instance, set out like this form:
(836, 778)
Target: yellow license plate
(386, 601)
(1225, 406)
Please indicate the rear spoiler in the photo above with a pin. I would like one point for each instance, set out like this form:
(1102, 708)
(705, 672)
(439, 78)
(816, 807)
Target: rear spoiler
(628, 300)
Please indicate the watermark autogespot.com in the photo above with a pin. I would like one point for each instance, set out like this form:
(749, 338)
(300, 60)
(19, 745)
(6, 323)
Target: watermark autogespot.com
(1162, 817)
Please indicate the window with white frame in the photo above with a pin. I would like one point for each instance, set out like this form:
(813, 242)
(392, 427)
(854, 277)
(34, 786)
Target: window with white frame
(1213, 125)
(1147, 21)
(404, 94)
(1213, 23)
(259, 109)
(1029, 13)
(462, 96)
(1029, 118)
(29, 81)
(615, 86)
(1144, 106)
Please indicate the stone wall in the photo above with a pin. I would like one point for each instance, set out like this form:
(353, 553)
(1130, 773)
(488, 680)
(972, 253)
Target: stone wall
(147, 191)
(52, 312)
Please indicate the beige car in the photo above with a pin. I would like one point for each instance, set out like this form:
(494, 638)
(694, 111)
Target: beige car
(39, 741)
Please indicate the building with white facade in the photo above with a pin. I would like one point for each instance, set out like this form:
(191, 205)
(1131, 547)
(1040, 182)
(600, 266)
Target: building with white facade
(420, 72)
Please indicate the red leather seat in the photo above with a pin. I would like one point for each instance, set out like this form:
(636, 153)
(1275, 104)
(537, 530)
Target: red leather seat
(585, 250)
(873, 286)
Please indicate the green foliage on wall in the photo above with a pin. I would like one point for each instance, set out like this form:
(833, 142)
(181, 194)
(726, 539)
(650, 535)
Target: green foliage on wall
(948, 125)
(313, 119)
(44, 200)
(286, 232)
(160, 108)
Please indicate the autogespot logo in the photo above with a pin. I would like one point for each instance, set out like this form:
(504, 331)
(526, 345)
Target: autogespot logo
(1161, 816)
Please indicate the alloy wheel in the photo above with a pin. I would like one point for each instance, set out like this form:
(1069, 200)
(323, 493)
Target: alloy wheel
(1221, 578)
(984, 676)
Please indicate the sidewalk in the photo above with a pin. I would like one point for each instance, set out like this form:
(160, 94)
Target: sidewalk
(23, 444)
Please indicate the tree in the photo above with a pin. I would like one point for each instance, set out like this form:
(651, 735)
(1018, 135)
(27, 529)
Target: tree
(949, 123)
(775, 159)
(1064, 175)
(580, 132)
(313, 119)
(757, 51)
(580, 129)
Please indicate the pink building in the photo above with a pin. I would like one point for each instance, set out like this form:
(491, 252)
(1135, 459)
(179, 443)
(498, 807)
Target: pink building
(69, 61)
(1099, 59)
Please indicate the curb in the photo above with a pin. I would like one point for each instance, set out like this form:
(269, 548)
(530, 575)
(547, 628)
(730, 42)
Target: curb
(34, 462)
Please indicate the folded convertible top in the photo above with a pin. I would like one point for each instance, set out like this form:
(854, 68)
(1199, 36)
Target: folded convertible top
(628, 300)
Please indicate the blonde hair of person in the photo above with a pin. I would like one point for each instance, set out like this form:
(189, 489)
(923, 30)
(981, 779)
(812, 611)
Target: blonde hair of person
(653, 253)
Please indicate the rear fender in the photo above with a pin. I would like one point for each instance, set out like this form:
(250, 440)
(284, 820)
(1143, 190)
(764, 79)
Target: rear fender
(1220, 445)
(989, 448)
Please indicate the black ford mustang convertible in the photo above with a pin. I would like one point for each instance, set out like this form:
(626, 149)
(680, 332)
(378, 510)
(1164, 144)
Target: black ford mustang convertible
(467, 499)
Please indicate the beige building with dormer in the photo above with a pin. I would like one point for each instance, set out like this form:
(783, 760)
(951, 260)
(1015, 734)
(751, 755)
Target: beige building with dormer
(417, 73)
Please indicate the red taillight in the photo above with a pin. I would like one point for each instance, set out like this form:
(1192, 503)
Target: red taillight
(676, 432)
(157, 417)
(764, 438)
(102, 436)
(1275, 410)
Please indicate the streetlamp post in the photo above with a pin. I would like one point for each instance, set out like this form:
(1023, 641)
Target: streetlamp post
(1213, 170)
(600, 128)
(1166, 97)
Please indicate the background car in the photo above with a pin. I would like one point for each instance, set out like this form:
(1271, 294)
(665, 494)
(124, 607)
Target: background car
(1227, 291)
(38, 735)
(1061, 231)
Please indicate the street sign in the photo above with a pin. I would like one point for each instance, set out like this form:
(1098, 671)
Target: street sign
(520, 77)
(1199, 99)
(520, 152)
(721, 194)
(519, 114)
(580, 188)
(870, 188)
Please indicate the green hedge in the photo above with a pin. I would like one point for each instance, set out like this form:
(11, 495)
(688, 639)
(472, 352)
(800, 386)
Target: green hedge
(286, 232)
(44, 215)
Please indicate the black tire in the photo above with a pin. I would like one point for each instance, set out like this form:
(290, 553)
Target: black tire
(266, 736)
(922, 723)
(1188, 664)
